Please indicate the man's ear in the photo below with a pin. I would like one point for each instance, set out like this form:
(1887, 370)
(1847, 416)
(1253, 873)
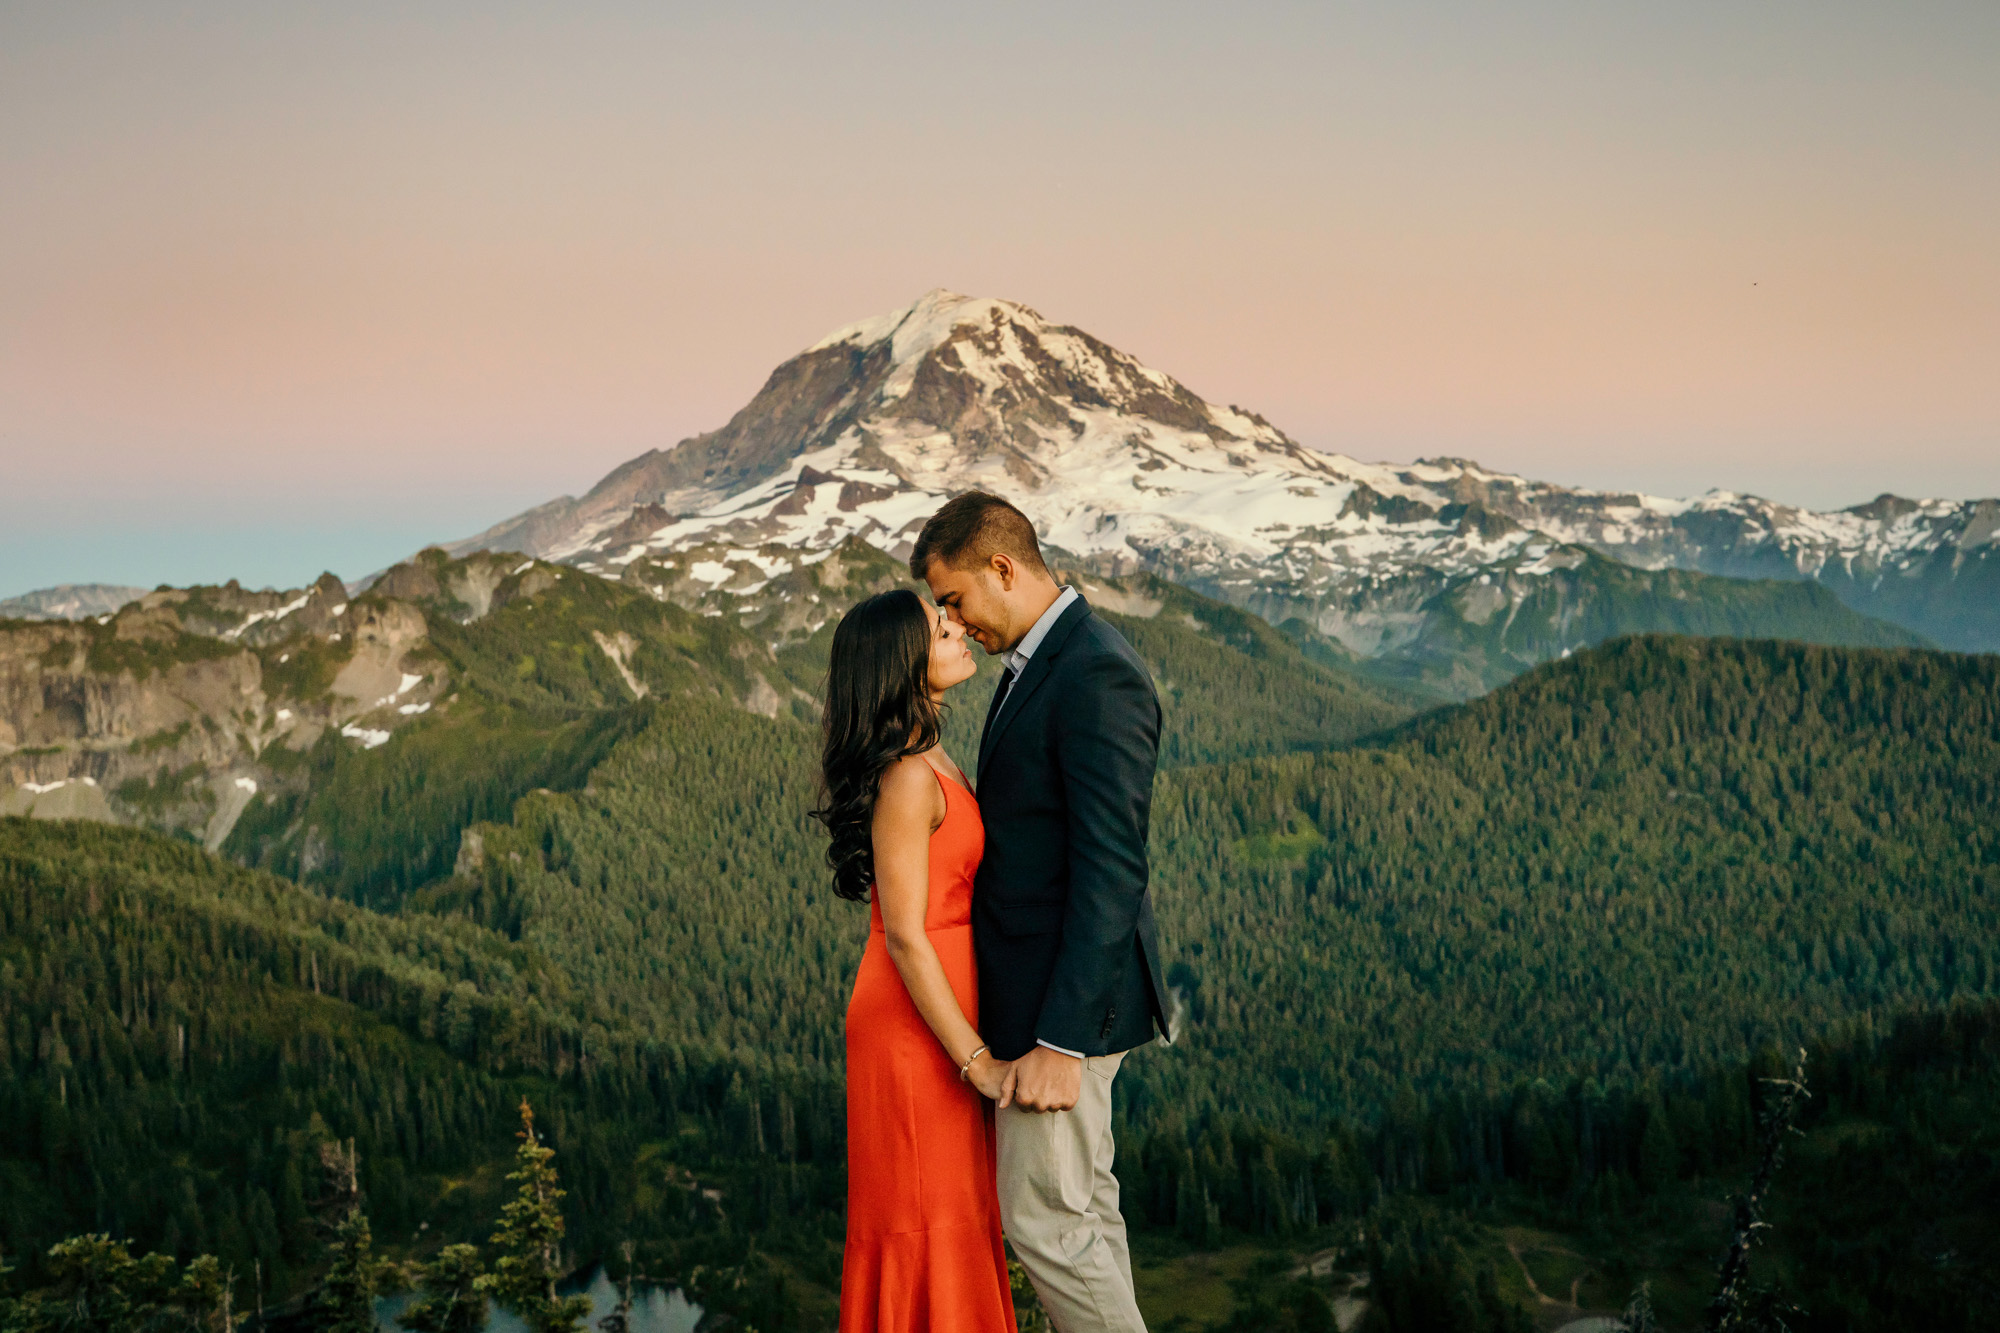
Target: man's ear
(1005, 569)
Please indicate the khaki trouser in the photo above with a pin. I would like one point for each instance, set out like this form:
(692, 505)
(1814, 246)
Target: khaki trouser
(1059, 1207)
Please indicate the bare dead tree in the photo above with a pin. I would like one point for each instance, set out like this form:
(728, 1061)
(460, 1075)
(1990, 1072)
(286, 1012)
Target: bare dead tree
(1737, 1308)
(620, 1318)
(343, 1177)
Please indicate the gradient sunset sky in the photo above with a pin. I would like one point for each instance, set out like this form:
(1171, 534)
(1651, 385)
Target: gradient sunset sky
(288, 287)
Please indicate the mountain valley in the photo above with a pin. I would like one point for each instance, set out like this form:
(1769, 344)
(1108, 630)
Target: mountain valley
(1505, 837)
(1412, 953)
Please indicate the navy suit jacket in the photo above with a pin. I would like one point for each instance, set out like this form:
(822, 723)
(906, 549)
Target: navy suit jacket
(1061, 921)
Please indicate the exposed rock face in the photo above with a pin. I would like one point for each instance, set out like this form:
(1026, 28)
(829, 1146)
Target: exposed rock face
(1123, 468)
(375, 674)
(619, 647)
(164, 712)
(145, 725)
(191, 706)
(53, 704)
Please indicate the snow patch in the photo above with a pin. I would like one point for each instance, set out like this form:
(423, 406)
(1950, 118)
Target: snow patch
(276, 615)
(368, 737)
(710, 571)
(247, 784)
(411, 710)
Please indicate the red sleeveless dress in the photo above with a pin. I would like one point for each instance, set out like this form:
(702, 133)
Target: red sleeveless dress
(923, 1213)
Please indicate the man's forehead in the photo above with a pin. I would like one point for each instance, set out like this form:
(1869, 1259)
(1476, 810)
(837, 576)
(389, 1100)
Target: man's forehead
(946, 581)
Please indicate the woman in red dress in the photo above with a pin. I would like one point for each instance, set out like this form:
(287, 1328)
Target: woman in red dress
(923, 1213)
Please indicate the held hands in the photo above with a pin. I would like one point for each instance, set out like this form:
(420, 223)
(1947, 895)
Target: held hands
(993, 1078)
(1041, 1080)
(1044, 1080)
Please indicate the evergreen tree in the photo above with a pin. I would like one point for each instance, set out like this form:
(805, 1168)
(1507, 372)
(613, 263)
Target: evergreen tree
(529, 1238)
(452, 1301)
(205, 1298)
(100, 1288)
(345, 1302)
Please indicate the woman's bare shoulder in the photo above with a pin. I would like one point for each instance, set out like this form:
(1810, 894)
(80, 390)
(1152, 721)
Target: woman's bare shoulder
(908, 784)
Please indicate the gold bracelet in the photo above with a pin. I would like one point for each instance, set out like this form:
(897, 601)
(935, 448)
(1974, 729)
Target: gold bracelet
(965, 1070)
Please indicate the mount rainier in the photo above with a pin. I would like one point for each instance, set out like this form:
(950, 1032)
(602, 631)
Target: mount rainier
(185, 708)
(1124, 469)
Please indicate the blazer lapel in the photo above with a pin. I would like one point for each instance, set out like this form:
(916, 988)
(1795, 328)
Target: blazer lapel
(992, 710)
(1038, 669)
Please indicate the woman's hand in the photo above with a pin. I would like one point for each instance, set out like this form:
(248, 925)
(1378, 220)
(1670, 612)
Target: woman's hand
(988, 1075)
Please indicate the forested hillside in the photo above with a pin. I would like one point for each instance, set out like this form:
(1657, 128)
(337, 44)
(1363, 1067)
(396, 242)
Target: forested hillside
(1638, 861)
(1494, 945)
(545, 682)
(179, 1036)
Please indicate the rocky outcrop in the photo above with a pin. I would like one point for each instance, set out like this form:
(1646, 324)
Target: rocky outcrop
(377, 673)
(167, 712)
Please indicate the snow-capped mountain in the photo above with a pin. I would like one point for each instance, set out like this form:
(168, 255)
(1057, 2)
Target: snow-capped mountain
(864, 433)
(68, 601)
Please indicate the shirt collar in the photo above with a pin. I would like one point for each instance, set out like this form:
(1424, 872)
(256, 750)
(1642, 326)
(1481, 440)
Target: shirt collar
(1017, 657)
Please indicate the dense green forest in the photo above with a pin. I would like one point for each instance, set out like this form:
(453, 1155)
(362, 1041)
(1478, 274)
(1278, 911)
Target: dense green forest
(180, 1036)
(1881, 1217)
(1512, 955)
(1641, 860)
(537, 702)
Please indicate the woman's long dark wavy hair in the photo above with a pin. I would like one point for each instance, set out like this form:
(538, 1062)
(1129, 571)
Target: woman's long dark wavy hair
(878, 710)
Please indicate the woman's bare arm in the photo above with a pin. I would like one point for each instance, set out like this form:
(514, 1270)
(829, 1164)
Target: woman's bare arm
(909, 809)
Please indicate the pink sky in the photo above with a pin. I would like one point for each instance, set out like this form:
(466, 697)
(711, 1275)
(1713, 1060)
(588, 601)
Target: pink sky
(286, 287)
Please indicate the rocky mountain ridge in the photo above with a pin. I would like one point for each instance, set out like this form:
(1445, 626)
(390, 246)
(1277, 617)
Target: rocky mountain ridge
(68, 601)
(180, 708)
(275, 726)
(1123, 468)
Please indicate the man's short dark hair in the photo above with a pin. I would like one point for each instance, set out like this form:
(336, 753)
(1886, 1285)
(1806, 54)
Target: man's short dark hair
(970, 530)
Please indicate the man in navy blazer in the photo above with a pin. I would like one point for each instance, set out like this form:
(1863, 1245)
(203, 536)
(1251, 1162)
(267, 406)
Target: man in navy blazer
(1069, 972)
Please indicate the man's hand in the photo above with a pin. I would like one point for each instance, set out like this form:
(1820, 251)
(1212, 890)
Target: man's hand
(1046, 1080)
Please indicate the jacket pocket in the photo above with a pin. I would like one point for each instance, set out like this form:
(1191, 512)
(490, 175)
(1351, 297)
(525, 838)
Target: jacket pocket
(1028, 918)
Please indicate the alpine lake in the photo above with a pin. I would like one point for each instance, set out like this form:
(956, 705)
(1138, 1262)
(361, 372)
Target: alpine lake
(654, 1309)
